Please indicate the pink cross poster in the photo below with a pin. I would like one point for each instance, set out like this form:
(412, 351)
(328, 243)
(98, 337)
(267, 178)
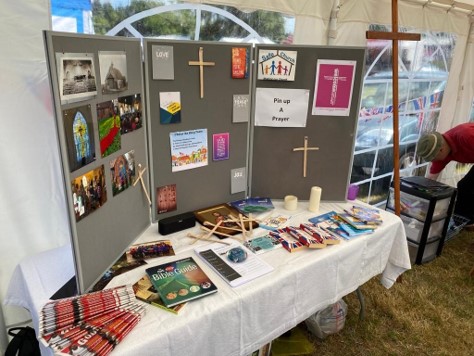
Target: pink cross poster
(333, 87)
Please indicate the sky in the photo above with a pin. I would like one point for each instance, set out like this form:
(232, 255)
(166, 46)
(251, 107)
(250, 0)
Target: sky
(118, 3)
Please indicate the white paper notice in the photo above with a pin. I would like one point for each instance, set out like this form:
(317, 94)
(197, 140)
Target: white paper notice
(239, 269)
(281, 107)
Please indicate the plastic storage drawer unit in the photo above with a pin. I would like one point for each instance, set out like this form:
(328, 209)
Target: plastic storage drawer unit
(426, 207)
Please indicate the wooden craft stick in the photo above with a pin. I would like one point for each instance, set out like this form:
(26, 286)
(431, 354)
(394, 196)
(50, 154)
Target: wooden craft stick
(234, 220)
(200, 62)
(250, 224)
(242, 225)
(224, 227)
(205, 239)
(140, 178)
(210, 232)
(305, 150)
(201, 73)
(215, 232)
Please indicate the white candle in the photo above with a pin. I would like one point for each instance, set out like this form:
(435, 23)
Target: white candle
(291, 202)
(314, 199)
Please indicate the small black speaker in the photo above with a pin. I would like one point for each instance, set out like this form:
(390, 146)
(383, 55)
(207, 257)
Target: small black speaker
(176, 223)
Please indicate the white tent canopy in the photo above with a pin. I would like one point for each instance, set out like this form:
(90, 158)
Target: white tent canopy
(33, 214)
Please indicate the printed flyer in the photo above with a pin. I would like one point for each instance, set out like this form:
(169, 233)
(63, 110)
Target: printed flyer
(170, 107)
(188, 149)
(220, 146)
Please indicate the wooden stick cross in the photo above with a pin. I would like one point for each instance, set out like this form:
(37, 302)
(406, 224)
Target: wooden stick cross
(203, 238)
(140, 178)
(201, 65)
(305, 150)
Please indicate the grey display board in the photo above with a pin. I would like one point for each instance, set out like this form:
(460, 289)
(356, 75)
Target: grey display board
(102, 224)
(259, 161)
(210, 184)
(276, 170)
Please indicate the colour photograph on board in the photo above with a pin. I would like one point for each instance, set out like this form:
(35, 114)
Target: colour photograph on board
(119, 267)
(88, 192)
(147, 250)
(122, 172)
(188, 149)
(108, 119)
(79, 133)
(113, 71)
(130, 110)
(76, 76)
(166, 199)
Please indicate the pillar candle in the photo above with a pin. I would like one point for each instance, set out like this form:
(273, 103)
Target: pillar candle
(291, 202)
(314, 199)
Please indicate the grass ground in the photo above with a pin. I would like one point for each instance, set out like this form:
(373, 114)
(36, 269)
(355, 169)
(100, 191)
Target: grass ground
(429, 312)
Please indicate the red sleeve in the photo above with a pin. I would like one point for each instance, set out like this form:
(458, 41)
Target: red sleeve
(438, 166)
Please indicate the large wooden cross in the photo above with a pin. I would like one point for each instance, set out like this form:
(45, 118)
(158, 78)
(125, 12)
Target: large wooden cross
(201, 65)
(305, 150)
(395, 36)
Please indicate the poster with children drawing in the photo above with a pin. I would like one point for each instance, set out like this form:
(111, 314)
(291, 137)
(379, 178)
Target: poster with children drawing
(188, 149)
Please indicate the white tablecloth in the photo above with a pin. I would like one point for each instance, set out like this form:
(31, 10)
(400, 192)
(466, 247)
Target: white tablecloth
(234, 321)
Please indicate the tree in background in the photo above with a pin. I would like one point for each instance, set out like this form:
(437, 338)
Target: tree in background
(182, 23)
(105, 17)
(267, 24)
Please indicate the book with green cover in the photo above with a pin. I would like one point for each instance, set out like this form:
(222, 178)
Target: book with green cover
(145, 292)
(180, 281)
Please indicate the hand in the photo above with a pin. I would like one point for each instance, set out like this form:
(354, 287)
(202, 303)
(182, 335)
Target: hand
(433, 176)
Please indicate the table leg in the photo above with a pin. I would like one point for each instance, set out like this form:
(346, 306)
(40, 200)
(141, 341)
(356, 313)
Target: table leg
(362, 304)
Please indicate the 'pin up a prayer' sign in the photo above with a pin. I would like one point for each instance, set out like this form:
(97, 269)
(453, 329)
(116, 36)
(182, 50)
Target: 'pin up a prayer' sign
(333, 87)
(275, 107)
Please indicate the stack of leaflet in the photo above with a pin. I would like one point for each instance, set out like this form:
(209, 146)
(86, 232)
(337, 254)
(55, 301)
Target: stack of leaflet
(350, 224)
(253, 205)
(365, 216)
(264, 210)
(90, 324)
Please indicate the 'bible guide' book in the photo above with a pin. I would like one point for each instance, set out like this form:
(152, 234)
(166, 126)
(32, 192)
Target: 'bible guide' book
(180, 281)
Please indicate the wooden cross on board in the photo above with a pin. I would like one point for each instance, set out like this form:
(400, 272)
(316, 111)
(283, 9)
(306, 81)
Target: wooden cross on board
(140, 178)
(305, 150)
(395, 36)
(201, 65)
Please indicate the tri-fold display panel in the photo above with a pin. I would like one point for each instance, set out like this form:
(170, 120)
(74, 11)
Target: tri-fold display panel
(192, 124)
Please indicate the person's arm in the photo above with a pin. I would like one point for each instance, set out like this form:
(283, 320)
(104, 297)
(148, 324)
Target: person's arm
(433, 176)
(435, 168)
